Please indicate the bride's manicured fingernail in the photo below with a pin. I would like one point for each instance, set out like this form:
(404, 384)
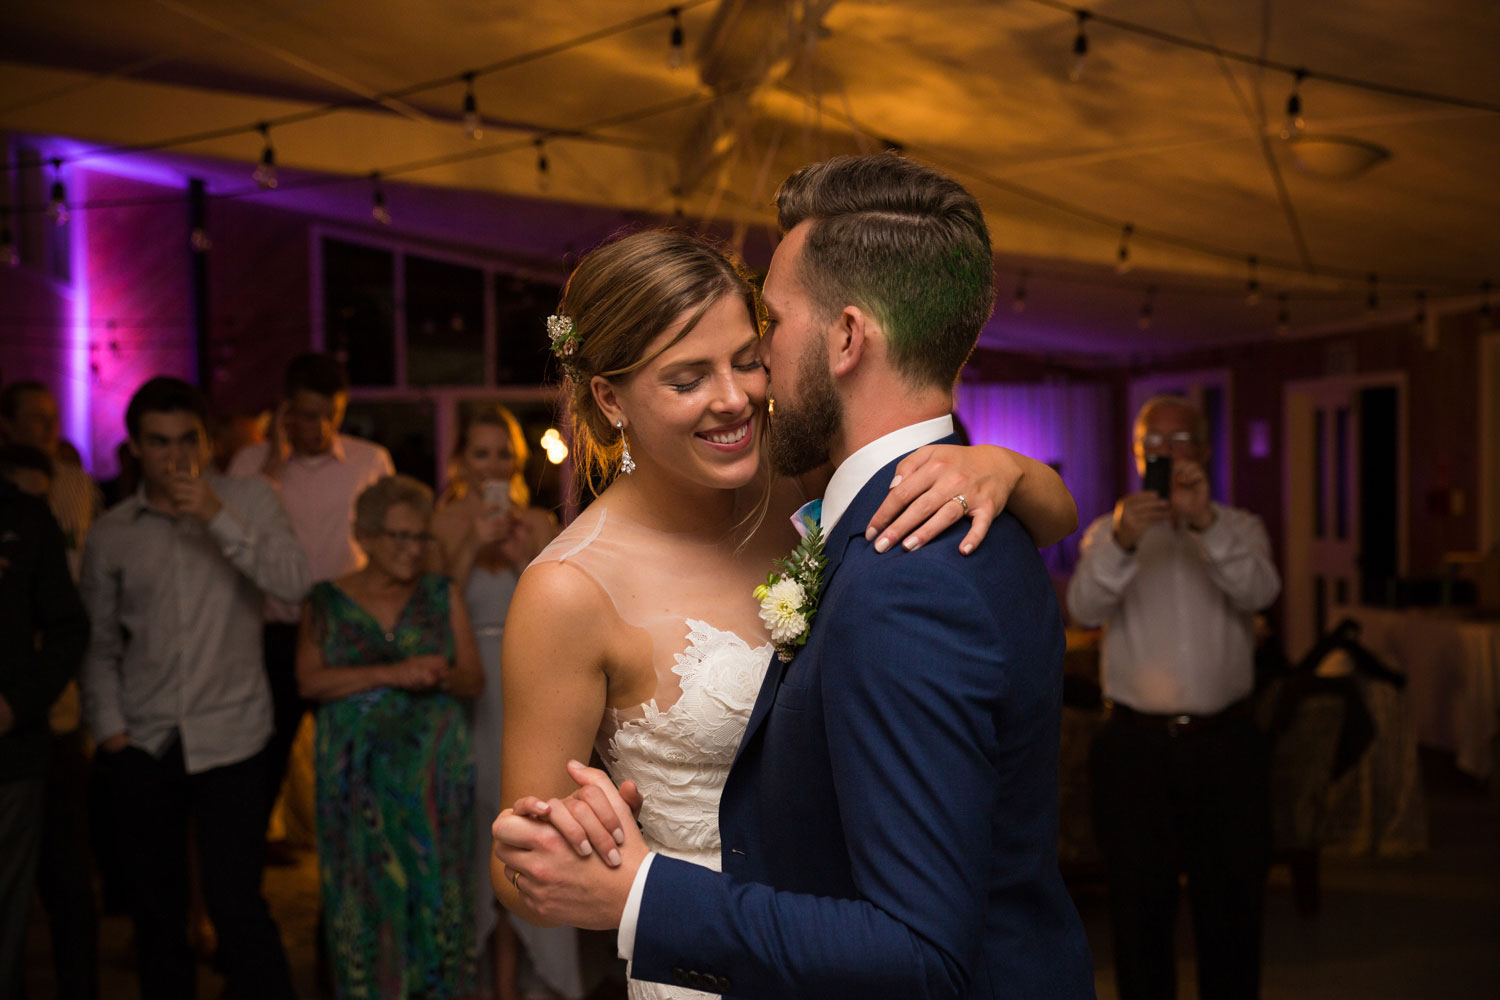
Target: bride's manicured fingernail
(585, 848)
(619, 836)
(911, 544)
(869, 534)
(895, 482)
(614, 859)
(966, 548)
(882, 544)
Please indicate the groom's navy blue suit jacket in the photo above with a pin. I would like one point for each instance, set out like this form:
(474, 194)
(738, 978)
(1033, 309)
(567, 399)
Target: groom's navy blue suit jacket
(890, 823)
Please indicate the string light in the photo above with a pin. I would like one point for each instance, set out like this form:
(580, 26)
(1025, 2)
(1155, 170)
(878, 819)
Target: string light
(265, 174)
(378, 210)
(543, 167)
(1122, 255)
(199, 240)
(1018, 300)
(1080, 48)
(1283, 314)
(8, 255)
(1252, 283)
(1372, 297)
(57, 199)
(472, 125)
(675, 50)
(1143, 321)
(1295, 124)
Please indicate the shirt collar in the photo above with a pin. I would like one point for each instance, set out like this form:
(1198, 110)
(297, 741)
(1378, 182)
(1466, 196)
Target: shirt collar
(850, 477)
(335, 451)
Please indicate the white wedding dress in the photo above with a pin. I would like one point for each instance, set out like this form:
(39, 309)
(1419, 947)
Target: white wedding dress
(692, 602)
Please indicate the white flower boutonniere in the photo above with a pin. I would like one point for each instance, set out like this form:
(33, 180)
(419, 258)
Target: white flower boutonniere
(789, 599)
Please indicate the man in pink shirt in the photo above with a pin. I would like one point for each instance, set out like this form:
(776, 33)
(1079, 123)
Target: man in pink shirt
(318, 472)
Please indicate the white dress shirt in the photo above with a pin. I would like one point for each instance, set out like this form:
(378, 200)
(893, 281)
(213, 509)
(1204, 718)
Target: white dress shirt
(175, 613)
(848, 479)
(1178, 613)
(318, 492)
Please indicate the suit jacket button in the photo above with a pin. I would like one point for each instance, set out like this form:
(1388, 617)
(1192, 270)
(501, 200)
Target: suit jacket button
(695, 979)
(678, 976)
(724, 984)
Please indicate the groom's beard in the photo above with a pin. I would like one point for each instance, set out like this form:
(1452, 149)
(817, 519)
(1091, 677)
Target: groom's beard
(800, 436)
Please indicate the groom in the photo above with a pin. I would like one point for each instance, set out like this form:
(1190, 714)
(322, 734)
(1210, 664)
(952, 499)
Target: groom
(890, 823)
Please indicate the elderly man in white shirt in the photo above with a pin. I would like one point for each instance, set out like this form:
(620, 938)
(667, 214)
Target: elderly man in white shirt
(319, 473)
(1179, 771)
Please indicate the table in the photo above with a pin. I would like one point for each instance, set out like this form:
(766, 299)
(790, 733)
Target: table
(1452, 666)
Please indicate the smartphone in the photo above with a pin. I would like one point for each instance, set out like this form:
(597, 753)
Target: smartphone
(1158, 476)
(496, 496)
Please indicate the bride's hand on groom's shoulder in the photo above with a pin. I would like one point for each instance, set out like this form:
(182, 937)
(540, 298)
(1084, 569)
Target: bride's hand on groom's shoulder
(924, 500)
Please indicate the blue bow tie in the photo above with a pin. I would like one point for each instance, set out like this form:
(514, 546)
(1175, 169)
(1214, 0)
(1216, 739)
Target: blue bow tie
(808, 515)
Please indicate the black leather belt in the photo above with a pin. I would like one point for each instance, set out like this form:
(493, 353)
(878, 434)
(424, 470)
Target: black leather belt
(1177, 724)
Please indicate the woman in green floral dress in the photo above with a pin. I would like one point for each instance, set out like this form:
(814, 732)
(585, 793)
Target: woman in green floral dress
(388, 651)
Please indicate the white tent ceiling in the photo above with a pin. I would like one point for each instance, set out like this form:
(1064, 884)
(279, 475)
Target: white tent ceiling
(1159, 131)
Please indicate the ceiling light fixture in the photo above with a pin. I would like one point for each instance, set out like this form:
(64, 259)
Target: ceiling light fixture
(675, 52)
(8, 255)
(265, 172)
(1295, 124)
(473, 127)
(1122, 255)
(1080, 48)
(543, 167)
(1335, 157)
(1018, 300)
(1283, 314)
(57, 199)
(1143, 321)
(1252, 283)
(378, 210)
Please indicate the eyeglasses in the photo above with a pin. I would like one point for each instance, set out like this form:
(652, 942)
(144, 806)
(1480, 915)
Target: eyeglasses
(1177, 439)
(408, 537)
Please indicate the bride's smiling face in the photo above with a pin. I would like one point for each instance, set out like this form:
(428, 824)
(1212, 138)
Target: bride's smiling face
(695, 411)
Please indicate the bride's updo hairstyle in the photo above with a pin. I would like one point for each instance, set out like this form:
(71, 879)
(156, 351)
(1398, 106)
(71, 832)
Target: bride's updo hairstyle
(620, 298)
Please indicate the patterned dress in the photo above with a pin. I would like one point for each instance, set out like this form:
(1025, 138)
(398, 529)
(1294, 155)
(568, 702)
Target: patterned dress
(395, 796)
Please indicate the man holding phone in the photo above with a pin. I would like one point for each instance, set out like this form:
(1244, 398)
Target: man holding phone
(1179, 770)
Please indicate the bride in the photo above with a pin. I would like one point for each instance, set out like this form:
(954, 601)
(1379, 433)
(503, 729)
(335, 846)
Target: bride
(635, 632)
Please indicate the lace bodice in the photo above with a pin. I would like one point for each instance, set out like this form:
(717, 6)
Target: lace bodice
(680, 756)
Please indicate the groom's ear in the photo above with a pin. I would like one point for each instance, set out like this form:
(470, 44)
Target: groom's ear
(854, 334)
(606, 398)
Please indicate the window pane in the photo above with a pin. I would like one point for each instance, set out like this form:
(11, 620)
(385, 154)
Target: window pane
(444, 323)
(359, 317)
(521, 348)
(407, 429)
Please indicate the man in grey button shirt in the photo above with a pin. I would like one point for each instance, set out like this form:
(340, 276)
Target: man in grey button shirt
(175, 693)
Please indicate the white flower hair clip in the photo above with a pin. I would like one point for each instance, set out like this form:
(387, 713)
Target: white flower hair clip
(565, 341)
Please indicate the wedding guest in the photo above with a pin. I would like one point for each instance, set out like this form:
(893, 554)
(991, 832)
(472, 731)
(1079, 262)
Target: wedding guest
(388, 653)
(318, 472)
(486, 534)
(29, 416)
(176, 695)
(1179, 771)
(43, 631)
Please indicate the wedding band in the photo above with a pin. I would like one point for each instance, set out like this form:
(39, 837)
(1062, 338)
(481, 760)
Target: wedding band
(515, 881)
(961, 502)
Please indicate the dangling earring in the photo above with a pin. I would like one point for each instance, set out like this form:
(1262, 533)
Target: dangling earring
(627, 464)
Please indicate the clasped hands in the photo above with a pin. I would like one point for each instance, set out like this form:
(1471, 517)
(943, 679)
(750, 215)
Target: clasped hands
(572, 861)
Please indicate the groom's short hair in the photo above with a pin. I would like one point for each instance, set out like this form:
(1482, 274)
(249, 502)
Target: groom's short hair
(902, 241)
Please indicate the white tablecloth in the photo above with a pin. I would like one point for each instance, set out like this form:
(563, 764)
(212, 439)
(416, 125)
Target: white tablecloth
(1452, 667)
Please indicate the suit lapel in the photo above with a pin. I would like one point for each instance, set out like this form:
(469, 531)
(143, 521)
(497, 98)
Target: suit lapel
(850, 526)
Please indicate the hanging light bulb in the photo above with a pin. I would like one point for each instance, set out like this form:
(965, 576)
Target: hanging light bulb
(1372, 297)
(1143, 321)
(472, 126)
(1252, 282)
(378, 210)
(1018, 300)
(57, 199)
(543, 167)
(1122, 255)
(1283, 314)
(199, 240)
(1419, 320)
(265, 174)
(8, 255)
(1295, 124)
(675, 50)
(1080, 48)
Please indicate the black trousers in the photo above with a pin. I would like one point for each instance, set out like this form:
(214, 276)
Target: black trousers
(227, 807)
(20, 840)
(1193, 803)
(287, 705)
(65, 872)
